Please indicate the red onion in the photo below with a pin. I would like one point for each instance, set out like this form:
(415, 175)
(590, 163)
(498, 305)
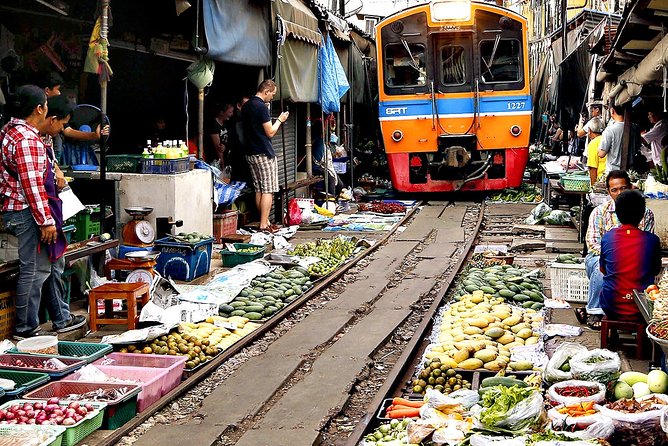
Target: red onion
(82, 410)
(14, 408)
(78, 418)
(23, 420)
(70, 413)
(32, 421)
(39, 406)
(53, 400)
(21, 413)
(57, 412)
(68, 421)
(10, 416)
(73, 405)
(27, 407)
(89, 407)
(59, 420)
(14, 421)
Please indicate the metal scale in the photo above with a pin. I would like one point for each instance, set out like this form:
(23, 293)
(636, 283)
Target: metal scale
(138, 233)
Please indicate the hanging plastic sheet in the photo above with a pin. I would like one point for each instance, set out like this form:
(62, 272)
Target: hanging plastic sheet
(333, 81)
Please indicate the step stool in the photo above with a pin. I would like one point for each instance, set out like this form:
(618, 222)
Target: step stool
(638, 346)
(130, 292)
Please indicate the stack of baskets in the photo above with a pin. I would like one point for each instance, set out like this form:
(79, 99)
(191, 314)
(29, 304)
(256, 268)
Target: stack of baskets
(575, 183)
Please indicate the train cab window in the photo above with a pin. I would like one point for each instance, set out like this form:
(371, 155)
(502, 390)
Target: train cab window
(500, 61)
(405, 65)
(453, 65)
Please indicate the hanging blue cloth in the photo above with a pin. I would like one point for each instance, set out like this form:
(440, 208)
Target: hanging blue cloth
(333, 81)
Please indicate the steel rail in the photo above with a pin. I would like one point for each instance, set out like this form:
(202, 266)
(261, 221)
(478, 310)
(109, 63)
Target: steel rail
(114, 436)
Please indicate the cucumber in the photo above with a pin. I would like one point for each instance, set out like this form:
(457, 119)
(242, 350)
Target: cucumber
(506, 293)
(224, 308)
(254, 308)
(238, 304)
(521, 298)
(253, 316)
(238, 313)
(502, 381)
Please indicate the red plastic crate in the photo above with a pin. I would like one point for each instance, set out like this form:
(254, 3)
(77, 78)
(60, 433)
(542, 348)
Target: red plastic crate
(31, 363)
(225, 224)
(152, 381)
(173, 364)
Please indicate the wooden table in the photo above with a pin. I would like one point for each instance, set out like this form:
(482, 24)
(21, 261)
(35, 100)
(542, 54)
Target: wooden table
(580, 221)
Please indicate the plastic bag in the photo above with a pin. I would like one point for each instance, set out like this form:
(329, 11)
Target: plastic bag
(598, 365)
(294, 214)
(467, 398)
(537, 214)
(568, 400)
(452, 433)
(488, 440)
(602, 428)
(444, 403)
(562, 354)
(560, 218)
(561, 421)
(639, 429)
(526, 413)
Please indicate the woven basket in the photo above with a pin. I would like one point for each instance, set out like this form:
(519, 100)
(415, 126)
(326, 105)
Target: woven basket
(576, 183)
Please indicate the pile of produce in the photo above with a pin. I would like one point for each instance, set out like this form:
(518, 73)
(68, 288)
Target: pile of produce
(392, 433)
(332, 254)
(199, 342)
(191, 238)
(382, 208)
(578, 410)
(479, 260)
(53, 364)
(569, 259)
(27, 437)
(441, 377)
(99, 395)
(403, 408)
(513, 408)
(51, 412)
(524, 194)
(506, 281)
(660, 173)
(637, 385)
(268, 294)
(479, 330)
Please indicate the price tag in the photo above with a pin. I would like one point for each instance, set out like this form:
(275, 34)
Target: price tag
(230, 247)
(225, 325)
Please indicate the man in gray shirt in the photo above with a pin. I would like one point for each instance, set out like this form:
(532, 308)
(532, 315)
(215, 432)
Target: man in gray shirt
(611, 139)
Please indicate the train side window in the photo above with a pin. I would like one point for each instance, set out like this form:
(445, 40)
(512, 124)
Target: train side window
(405, 65)
(500, 61)
(453, 65)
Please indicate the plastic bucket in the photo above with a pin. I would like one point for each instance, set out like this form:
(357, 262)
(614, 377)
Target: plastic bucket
(43, 345)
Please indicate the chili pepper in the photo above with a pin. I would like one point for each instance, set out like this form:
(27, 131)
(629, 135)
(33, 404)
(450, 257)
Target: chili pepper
(576, 391)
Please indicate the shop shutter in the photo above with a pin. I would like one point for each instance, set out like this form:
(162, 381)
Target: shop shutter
(290, 131)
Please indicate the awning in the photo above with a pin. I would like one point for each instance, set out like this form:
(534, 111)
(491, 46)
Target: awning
(300, 23)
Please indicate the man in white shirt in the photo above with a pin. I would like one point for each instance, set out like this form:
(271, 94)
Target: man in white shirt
(654, 136)
(611, 139)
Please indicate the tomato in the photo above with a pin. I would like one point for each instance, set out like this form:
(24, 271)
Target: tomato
(652, 288)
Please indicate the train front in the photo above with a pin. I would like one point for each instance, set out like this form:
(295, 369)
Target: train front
(454, 100)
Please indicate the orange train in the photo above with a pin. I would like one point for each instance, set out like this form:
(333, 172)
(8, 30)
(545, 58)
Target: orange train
(454, 100)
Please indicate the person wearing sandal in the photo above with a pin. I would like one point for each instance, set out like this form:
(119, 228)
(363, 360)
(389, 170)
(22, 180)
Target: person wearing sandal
(602, 220)
(630, 259)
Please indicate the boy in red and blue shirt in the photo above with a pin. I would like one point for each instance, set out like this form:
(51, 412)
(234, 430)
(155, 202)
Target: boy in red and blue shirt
(630, 259)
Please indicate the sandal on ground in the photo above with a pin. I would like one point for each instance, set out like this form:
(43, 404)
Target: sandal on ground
(594, 321)
(581, 314)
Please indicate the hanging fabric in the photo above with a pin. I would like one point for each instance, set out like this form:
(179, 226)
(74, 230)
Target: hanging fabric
(333, 81)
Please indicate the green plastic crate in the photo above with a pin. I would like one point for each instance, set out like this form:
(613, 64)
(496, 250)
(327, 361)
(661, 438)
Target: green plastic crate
(69, 230)
(25, 381)
(77, 432)
(56, 439)
(231, 258)
(86, 351)
(87, 223)
(119, 414)
(123, 163)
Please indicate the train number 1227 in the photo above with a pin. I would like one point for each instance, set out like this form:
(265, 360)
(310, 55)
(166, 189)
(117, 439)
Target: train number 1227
(516, 105)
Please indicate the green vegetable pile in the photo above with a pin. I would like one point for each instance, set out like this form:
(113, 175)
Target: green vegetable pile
(507, 281)
(524, 194)
(391, 433)
(332, 253)
(190, 238)
(498, 400)
(660, 173)
(570, 259)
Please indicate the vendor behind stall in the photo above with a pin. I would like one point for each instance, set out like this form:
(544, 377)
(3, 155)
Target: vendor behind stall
(630, 259)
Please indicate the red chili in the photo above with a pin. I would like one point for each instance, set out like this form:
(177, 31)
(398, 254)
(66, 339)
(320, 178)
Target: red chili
(576, 391)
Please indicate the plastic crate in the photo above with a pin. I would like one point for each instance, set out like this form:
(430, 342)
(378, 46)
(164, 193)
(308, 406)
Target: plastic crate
(152, 381)
(25, 381)
(75, 433)
(576, 183)
(69, 230)
(231, 258)
(85, 351)
(182, 261)
(173, 364)
(87, 223)
(55, 432)
(31, 363)
(165, 166)
(123, 163)
(224, 224)
(569, 282)
(340, 167)
(118, 412)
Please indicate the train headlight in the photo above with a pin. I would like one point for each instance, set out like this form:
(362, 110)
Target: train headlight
(450, 10)
(516, 130)
(397, 135)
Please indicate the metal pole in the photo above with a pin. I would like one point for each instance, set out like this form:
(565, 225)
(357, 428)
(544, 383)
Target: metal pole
(351, 98)
(200, 125)
(308, 144)
(565, 122)
(104, 31)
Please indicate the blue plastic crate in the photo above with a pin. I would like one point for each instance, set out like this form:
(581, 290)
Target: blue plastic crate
(182, 261)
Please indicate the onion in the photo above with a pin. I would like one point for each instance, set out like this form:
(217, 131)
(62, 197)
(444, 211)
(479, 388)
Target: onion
(10, 416)
(30, 413)
(32, 421)
(73, 405)
(78, 418)
(27, 407)
(70, 413)
(53, 400)
(58, 412)
(82, 410)
(39, 406)
(21, 413)
(59, 420)
(89, 407)
(46, 422)
(23, 420)
(68, 421)
(14, 408)
(14, 421)
(52, 407)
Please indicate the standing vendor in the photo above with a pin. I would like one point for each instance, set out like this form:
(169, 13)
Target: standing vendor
(31, 211)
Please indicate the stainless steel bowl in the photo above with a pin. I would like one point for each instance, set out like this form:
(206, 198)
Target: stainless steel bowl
(142, 256)
(138, 211)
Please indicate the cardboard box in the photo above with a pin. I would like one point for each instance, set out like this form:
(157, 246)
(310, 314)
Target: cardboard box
(7, 313)
(9, 247)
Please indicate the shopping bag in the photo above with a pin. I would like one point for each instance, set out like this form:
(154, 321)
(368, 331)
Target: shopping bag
(294, 214)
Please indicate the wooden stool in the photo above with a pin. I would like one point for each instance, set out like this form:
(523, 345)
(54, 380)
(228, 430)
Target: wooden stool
(130, 292)
(610, 337)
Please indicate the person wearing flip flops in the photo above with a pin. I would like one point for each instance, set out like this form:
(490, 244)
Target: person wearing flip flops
(601, 221)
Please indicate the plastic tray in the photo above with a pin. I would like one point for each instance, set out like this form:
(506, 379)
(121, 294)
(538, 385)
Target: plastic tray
(84, 351)
(55, 439)
(152, 381)
(173, 364)
(31, 362)
(25, 381)
(182, 261)
(231, 258)
(76, 432)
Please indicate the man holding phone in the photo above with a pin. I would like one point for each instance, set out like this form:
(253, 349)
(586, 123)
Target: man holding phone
(258, 129)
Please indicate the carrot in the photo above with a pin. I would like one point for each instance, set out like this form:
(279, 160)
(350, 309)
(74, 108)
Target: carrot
(404, 413)
(404, 402)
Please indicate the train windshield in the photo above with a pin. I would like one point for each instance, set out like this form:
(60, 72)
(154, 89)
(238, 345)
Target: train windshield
(453, 65)
(500, 60)
(405, 65)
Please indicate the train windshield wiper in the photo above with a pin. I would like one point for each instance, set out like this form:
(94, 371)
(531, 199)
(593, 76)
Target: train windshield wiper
(414, 63)
(491, 57)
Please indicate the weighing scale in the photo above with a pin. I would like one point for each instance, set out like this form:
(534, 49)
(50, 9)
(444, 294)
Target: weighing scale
(141, 265)
(138, 232)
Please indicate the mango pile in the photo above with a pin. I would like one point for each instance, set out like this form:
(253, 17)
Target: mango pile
(479, 330)
(505, 281)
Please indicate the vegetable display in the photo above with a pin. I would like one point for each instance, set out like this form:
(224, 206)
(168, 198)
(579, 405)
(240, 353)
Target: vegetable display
(498, 402)
(382, 208)
(52, 412)
(332, 254)
(511, 283)
(524, 194)
(578, 410)
(440, 377)
(403, 408)
(387, 434)
(190, 238)
(569, 259)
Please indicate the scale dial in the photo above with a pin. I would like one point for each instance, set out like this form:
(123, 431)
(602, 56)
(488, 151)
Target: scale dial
(144, 232)
(140, 275)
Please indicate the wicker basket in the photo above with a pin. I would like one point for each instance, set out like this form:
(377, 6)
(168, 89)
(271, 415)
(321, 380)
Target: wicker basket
(576, 183)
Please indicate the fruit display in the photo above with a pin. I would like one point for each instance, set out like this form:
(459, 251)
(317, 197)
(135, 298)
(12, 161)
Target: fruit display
(51, 412)
(191, 238)
(506, 281)
(382, 208)
(249, 250)
(569, 259)
(524, 194)
(439, 376)
(199, 341)
(332, 253)
(479, 330)
(268, 294)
